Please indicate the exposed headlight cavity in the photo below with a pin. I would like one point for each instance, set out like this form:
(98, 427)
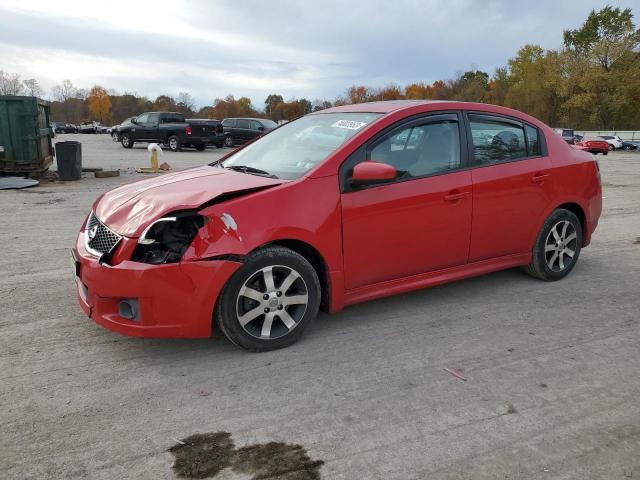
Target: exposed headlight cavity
(166, 239)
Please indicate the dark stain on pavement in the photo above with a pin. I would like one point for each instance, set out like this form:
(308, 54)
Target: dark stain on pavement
(205, 455)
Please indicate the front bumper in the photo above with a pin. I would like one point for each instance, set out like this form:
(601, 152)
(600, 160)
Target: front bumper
(175, 300)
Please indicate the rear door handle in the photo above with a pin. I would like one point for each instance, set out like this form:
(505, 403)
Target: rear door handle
(540, 177)
(454, 197)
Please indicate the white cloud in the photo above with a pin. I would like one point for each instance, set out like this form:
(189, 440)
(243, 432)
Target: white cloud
(253, 48)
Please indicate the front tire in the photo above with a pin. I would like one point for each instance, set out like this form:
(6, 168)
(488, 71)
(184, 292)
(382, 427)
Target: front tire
(126, 140)
(228, 141)
(611, 148)
(270, 301)
(557, 247)
(200, 147)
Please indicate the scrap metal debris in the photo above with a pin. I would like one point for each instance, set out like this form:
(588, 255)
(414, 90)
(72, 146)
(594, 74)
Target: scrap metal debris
(8, 183)
(107, 173)
(456, 373)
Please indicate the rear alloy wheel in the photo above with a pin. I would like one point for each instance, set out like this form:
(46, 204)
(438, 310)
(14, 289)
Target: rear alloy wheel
(125, 140)
(557, 247)
(611, 148)
(174, 143)
(269, 301)
(228, 141)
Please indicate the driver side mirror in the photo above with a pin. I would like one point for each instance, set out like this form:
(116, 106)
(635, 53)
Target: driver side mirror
(261, 128)
(134, 121)
(370, 172)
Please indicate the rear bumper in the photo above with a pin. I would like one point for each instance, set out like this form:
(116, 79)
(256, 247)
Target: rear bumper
(175, 300)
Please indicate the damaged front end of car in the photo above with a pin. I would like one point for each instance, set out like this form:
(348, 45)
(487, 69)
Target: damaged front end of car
(166, 239)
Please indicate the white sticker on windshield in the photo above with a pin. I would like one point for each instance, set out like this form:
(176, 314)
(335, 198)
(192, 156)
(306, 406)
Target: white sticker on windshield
(349, 124)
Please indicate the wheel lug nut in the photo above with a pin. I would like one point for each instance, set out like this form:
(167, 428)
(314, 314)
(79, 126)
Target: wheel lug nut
(279, 294)
(266, 296)
(280, 307)
(266, 310)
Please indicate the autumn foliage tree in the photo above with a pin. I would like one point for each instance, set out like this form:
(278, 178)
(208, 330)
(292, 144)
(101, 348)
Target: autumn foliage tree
(99, 104)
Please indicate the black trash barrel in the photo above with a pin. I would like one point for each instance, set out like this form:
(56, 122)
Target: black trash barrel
(69, 160)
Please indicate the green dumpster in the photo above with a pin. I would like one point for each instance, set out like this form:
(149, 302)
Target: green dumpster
(25, 135)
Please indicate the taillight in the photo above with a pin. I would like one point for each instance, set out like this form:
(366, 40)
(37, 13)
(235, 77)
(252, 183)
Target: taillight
(188, 130)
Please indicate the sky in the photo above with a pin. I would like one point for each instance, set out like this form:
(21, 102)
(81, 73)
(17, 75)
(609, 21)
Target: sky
(313, 49)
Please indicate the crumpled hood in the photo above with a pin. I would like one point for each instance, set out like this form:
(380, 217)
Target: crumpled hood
(128, 209)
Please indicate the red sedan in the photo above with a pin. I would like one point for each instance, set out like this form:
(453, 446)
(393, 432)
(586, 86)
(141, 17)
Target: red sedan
(338, 207)
(593, 145)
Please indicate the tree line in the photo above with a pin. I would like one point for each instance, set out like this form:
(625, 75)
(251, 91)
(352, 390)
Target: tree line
(591, 82)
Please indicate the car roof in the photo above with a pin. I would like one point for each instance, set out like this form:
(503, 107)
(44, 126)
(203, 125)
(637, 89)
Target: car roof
(247, 118)
(394, 106)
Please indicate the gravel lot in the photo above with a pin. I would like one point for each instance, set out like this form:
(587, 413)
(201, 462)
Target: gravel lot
(553, 368)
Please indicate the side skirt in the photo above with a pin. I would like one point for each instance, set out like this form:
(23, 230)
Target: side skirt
(431, 279)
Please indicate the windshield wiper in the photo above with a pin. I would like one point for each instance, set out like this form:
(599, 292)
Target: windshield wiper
(251, 170)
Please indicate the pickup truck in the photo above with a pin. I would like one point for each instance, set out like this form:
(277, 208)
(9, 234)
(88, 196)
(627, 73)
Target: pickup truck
(168, 128)
(213, 129)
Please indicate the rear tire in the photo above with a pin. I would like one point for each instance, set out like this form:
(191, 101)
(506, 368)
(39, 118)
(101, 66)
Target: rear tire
(557, 246)
(126, 140)
(174, 143)
(269, 301)
(611, 148)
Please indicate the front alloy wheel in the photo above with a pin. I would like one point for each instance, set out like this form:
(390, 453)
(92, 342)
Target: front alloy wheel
(270, 300)
(228, 141)
(126, 141)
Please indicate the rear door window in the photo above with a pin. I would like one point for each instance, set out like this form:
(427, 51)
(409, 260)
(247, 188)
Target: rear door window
(533, 141)
(496, 140)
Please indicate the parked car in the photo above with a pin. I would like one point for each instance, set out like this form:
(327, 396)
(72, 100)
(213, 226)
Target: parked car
(61, 127)
(630, 145)
(614, 141)
(238, 131)
(169, 128)
(103, 129)
(566, 133)
(58, 127)
(593, 145)
(212, 128)
(88, 127)
(253, 245)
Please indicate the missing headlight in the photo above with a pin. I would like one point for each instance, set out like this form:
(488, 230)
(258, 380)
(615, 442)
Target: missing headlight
(166, 239)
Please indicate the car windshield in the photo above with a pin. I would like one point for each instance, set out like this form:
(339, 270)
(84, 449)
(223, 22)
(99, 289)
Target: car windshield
(295, 148)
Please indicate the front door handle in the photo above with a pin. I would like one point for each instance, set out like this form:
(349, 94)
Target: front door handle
(455, 196)
(540, 177)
